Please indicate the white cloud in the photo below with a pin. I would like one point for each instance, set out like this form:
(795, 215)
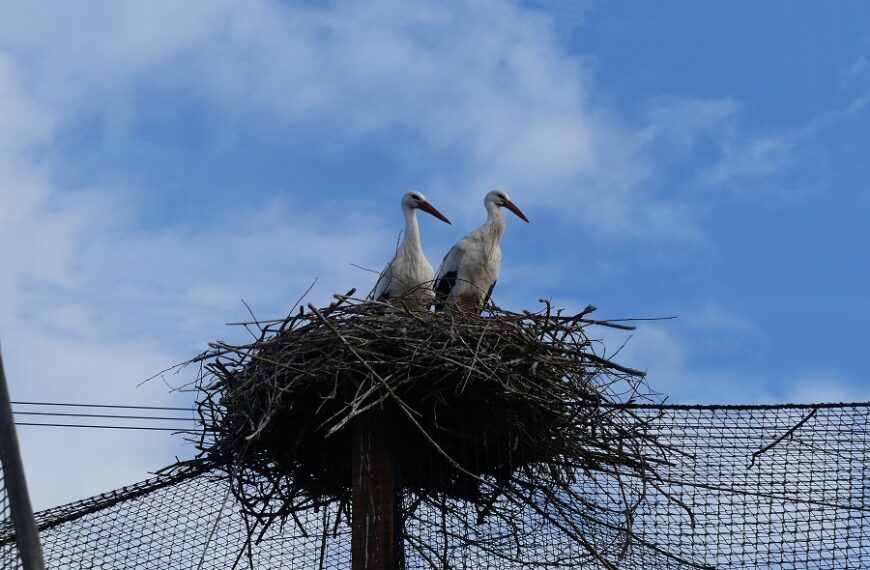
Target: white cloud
(760, 161)
(93, 302)
(764, 155)
(97, 306)
(858, 69)
(670, 362)
(822, 386)
(680, 121)
(670, 354)
(714, 317)
(67, 463)
(486, 82)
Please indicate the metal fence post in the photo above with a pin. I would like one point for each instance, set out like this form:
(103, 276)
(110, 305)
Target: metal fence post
(26, 533)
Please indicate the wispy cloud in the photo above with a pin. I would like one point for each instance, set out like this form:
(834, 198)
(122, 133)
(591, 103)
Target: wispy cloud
(487, 84)
(748, 161)
(824, 386)
(765, 155)
(858, 69)
(94, 302)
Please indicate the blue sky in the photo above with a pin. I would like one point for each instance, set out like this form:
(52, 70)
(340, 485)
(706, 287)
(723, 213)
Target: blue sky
(162, 161)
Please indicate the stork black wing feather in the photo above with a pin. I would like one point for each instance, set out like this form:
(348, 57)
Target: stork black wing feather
(489, 293)
(442, 289)
(447, 277)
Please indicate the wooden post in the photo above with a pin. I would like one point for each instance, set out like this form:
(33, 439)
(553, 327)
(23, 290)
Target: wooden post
(26, 533)
(376, 535)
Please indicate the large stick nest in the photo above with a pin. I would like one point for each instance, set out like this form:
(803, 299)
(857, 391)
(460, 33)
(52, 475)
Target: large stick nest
(492, 410)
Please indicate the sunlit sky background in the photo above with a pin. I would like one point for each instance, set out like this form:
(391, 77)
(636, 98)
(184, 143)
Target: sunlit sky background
(160, 161)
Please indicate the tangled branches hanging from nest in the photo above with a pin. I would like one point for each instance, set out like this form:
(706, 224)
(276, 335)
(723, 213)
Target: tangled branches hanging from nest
(501, 411)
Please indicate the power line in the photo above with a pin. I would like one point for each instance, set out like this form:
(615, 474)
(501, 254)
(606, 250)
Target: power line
(113, 416)
(129, 407)
(53, 414)
(179, 430)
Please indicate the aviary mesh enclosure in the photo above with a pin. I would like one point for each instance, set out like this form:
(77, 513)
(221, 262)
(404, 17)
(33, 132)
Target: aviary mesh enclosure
(758, 487)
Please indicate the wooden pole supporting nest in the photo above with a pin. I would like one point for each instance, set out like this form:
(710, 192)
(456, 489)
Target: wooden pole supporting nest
(376, 527)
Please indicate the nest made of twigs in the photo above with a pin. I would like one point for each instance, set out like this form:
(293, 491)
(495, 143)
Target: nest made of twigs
(477, 406)
(523, 387)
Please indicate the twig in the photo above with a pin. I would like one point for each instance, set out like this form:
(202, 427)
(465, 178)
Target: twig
(775, 442)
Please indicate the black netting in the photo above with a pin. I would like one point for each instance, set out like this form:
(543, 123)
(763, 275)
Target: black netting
(745, 487)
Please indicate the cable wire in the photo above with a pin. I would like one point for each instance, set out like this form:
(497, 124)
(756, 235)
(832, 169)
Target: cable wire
(146, 428)
(113, 416)
(129, 407)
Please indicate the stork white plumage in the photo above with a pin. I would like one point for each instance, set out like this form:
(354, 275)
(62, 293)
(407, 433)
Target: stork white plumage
(409, 275)
(470, 269)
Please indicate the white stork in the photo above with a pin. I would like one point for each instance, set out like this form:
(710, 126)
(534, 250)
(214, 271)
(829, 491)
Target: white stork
(409, 274)
(470, 269)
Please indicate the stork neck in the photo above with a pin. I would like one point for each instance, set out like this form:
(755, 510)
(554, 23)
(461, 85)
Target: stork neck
(494, 219)
(412, 231)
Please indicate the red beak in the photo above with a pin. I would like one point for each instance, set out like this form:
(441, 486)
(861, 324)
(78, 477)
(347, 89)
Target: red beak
(430, 209)
(513, 208)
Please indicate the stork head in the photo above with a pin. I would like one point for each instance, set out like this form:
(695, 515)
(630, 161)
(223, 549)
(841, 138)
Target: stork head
(502, 200)
(416, 201)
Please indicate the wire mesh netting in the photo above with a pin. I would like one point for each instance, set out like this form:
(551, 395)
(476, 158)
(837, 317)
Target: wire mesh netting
(755, 487)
